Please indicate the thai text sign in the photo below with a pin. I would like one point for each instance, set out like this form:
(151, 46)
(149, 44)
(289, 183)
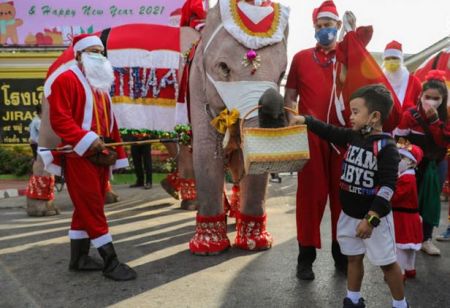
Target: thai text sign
(54, 22)
(17, 108)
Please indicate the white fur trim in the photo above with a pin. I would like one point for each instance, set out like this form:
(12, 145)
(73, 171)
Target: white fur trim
(408, 154)
(408, 171)
(54, 75)
(89, 105)
(402, 132)
(181, 114)
(87, 42)
(255, 15)
(78, 234)
(152, 117)
(121, 163)
(144, 58)
(393, 53)
(102, 240)
(249, 41)
(327, 15)
(83, 145)
(412, 246)
(47, 158)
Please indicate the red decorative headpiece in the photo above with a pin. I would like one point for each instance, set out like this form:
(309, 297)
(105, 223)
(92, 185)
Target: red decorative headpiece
(435, 75)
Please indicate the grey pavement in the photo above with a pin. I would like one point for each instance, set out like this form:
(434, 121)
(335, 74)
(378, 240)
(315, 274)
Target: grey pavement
(151, 234)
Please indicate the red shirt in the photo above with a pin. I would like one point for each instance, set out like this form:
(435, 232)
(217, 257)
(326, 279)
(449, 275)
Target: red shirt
(311, 74)
(412, 93)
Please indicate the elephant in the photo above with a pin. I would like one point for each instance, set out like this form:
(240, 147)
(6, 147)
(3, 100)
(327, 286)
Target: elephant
(233, 65)
(118, 39)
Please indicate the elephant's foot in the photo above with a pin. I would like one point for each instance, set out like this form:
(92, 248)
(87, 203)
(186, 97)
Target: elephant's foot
(251, 233)
(41, 187)
(40, 208)
(210, 235)
(189, 205)
(171, 184)
(235, 201)
(188, 193)
(111, 197)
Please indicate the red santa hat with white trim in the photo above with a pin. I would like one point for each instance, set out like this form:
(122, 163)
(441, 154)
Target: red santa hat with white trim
(326, 10)
(412, 152)
(393, 49)
(83, 41)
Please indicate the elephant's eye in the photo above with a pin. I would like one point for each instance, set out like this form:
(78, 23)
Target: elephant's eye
(224, 69)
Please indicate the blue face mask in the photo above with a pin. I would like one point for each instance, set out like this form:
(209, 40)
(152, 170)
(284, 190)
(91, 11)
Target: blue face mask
(326, 36)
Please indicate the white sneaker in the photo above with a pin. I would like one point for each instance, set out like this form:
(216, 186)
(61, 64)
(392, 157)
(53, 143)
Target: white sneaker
(429, 248)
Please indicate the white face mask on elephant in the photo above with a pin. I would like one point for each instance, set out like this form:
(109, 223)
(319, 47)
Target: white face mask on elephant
(242, 95)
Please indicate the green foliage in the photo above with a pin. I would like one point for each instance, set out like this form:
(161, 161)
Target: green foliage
(17, 161)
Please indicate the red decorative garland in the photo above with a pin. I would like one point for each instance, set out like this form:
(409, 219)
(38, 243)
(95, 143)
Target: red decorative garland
(251, 233)
(210, 235)
(41, 187)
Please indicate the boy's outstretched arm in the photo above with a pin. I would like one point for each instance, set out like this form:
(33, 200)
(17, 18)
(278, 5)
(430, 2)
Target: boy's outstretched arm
(338, 135)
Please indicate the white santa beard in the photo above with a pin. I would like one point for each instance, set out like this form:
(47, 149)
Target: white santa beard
(100, 74)
(396, 78)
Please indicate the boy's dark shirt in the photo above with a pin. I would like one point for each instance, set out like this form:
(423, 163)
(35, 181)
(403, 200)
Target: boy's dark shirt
(368, 178)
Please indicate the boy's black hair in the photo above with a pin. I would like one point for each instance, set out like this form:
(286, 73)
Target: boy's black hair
(442, 88)
(38, 109)
(377, 98)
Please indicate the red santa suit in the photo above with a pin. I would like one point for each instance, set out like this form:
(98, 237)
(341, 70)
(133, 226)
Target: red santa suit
(311, 75)
(79, 115)
(407, 87)
(405, 207)
(193, 14)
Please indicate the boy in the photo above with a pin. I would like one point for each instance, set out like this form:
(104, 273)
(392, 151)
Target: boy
(369, 174)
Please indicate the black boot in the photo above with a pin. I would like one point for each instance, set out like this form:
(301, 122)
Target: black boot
(340, 260)
(113, 268)
(305, 260)
(79, 256)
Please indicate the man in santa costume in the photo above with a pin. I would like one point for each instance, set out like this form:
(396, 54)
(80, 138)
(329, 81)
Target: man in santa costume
(81, 115)
(406, 86)
(311, 79)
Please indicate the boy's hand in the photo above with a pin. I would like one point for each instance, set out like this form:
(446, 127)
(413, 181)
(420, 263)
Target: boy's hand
(364, 229)
(296, 120)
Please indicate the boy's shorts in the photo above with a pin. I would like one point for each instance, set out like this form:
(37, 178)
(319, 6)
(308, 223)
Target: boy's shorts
(380, 247)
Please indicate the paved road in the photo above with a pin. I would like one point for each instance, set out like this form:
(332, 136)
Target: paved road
(151, 234)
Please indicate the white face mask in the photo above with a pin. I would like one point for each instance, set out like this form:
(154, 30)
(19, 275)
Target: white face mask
(431, 102)
(242, 95)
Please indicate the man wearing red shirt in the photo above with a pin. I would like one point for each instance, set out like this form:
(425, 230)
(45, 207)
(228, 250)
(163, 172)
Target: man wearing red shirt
(311, 77)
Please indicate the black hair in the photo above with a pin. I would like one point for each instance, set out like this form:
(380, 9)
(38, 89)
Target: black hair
(38, 109)
(377, 98)
(442, 88)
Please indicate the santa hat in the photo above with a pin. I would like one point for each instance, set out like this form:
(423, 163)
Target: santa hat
(393, 49)
(412, 152)
(176, 13)
(326, 10)
(436, 75)
(83, 41)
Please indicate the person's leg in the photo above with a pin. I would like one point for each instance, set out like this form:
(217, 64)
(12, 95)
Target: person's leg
(355, 274)
(147, 157)
(427, 245)
(311, 201)
(137, 162)
(402, 259)
(394, 279)
(410, 263)
(340, 260)
(87, 184)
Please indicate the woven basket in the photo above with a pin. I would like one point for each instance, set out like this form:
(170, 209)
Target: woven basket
(274, 150)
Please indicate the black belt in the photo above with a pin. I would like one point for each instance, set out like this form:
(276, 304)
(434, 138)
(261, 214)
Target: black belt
(405, 210)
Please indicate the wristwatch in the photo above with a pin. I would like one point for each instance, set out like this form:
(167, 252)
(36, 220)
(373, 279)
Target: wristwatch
(373, 220)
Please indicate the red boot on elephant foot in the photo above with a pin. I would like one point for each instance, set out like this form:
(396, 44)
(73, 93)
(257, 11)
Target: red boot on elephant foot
(171, 184)
(251, 233)
(188, 194)
(210, 235)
